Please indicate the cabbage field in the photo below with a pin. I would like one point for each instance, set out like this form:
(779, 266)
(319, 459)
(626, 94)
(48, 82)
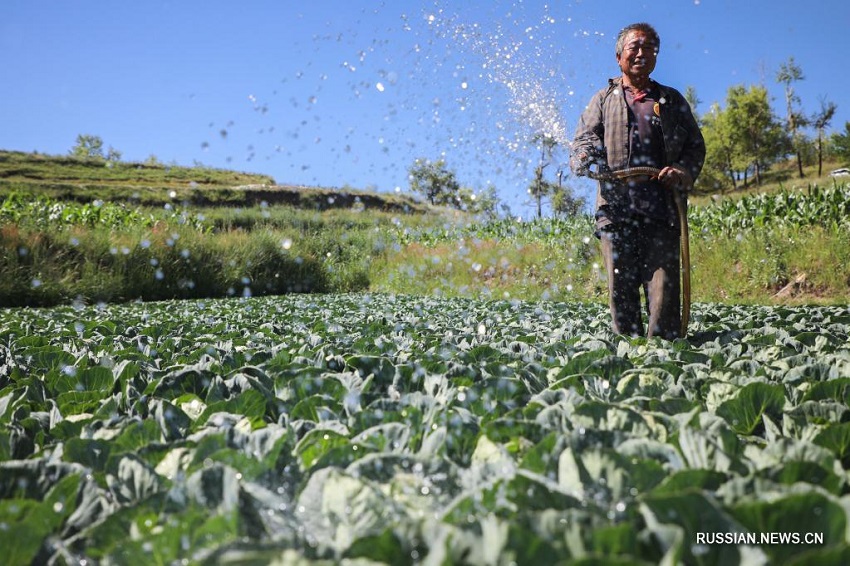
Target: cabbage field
(378, 428)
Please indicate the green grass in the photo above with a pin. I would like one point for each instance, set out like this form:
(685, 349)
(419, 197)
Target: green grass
(57, 252)
(24, 167)
(562, 270)
(102, 265)
(87, 180)
(755, 267)
(783, 175)
(787, 245)
(752, 269)
(223, 251)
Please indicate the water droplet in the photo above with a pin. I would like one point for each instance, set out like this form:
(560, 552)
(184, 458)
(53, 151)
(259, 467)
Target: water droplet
(700, 549)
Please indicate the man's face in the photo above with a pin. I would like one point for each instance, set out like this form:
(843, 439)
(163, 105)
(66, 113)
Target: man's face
(638, 56)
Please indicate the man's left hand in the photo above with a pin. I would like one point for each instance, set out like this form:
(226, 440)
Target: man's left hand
(674, 177)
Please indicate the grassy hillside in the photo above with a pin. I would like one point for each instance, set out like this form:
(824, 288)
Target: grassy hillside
(88, 180)
(788, 243)
(780, 176)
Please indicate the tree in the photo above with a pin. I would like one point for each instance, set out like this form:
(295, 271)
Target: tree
(483, 203)
(841, 143)
(720, 150)
(91, 147)
(821, 120)
(788, 74)
(757, 135)
(434, 181)
(438, 184)
(113, 154)
(540, 188)
(565, 203)
(88, 147)
(693, 100)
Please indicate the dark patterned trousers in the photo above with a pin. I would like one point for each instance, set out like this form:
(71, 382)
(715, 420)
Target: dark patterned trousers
(643, 253)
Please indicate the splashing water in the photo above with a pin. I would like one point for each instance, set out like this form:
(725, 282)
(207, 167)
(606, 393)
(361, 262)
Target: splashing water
(480, 87)
(513, 63)
(511, 87)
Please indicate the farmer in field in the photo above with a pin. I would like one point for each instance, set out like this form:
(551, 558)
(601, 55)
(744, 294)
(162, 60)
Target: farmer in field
(635, 122)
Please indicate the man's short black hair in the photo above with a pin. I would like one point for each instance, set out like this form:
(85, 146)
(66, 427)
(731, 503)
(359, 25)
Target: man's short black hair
(640, 26)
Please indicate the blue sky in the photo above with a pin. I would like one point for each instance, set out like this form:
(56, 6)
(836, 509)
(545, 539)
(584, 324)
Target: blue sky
(334, 92)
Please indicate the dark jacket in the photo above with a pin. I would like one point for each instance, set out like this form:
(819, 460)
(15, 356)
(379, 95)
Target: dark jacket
(603, 133)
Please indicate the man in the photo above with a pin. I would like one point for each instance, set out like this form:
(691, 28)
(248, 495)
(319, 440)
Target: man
(637, 122)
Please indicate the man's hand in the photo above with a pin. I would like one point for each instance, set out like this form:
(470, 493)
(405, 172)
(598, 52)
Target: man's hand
(674, 177)
(580, 164)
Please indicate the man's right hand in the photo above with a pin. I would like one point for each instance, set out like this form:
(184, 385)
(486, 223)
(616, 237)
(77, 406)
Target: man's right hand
(580, 164)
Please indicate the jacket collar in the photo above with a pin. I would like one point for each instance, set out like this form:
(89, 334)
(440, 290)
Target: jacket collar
(617, 82)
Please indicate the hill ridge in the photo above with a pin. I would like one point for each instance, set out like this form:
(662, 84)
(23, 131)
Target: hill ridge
(67, 177)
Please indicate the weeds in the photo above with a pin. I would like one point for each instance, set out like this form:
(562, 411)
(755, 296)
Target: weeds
(52, 252)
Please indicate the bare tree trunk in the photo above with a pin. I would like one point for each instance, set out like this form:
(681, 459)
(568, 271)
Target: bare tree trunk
(820, 155)
(800, 163)
(734, 180)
